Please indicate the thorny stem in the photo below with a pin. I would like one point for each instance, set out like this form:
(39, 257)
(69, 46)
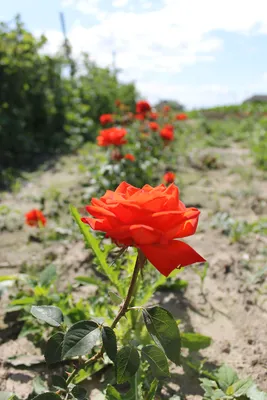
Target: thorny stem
(139, 263)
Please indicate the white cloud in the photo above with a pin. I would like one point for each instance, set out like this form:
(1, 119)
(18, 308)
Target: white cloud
(152, 43)
(119, 3)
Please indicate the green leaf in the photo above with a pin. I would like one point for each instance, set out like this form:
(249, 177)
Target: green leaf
(117, 300)
(54, 348)
(226, 377)
(47, 396)
(195, 341)
(239, 388)
(109, 342)
(164, 331)
(112, 393)
(93, 244)
(50, 314)
(218, 394)
(254, 393)
(48, 275)
(79, 393)
(208, 386)
(59, 382)
(7, 396)
(173, 286)
(157, 361)
(89, 280)
(127, 363)
(24, 301)
(8, 278)
(39, 385)
(152, 391)
(80, 339)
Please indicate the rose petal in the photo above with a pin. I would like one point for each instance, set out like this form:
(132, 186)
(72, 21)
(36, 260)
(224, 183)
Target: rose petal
(166, 258)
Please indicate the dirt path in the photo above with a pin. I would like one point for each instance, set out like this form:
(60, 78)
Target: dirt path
(233, 308)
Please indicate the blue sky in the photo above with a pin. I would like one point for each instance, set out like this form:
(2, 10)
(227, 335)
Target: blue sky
(199, 52)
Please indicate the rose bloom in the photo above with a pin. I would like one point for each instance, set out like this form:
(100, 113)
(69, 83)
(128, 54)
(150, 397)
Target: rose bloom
(111, 136)
(153, 115)
(130, 157)
(151, 219)
(167, 134)
(106, 119)
(35, 218)
(169, 177)
(139, 117)
(166, 108)
(181, 117)
(153, 126)
(142, 107)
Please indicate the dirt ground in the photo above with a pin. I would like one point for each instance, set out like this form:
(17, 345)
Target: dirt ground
(232, 309)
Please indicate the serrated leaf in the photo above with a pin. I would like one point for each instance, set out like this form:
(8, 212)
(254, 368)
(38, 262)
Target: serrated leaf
(109, 342)
(50, 314)
(157, 361)
(79, 393)
(112, 393)
(226, 377)
(80, 339)
(208, 386)
(164, 331)
(59, 382)
(54, 348)
(195, 341)
(218, 394)
(48, 275)
(117, 300)
(127, 363)
(39, 385)
(240, 387)
(93, 244)
(47, 396)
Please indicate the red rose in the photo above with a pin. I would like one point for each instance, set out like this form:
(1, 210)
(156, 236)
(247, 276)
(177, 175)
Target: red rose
(130, 157)
(111, 136)
(167, 134)
(35, 218)
(153, 126)
(153, 115)
(106, 119)
(181, 117)
(169, 177)
(139, 117)
(117, 103)
(142, 107)
(149, 219)
(166, 108)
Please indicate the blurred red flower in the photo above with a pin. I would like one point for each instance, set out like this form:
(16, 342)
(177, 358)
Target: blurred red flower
(153, 115)
(117, 103)
(106, 119)
(167, 133)
(139, 117)
(181, 117)
(112, 136)
(166, 108)
(169, 177)
(35, 218)
(142, 107)
(150, 219)
(153, 126)
(130, 157)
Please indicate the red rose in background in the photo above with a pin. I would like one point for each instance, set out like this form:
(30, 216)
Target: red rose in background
(111, 136)
(35, 218)
(153, 115)
(167, 134)
(140, 117)
(181, 117)
(166, 108)
(153, 126)
(142, 107)
(169, 126)
(130, 157)
(106, 119)
(117, 103)
(169, 177)
(150, 219)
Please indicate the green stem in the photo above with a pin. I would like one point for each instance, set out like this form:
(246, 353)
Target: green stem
(139, 263)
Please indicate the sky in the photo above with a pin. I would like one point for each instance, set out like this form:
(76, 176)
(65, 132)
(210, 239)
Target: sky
(201, 53)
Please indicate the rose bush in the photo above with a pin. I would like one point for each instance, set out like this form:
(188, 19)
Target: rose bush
(149, 219)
